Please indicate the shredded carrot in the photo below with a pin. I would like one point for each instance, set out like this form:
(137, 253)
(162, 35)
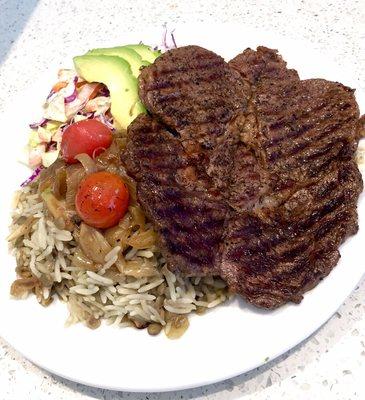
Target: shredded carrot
(58, 86)
(80, 84)
(95, 91)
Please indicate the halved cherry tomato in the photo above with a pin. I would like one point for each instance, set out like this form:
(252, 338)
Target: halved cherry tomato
(89, 136)
(102, 199)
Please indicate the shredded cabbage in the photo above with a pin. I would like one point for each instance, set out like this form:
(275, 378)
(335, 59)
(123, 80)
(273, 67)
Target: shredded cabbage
(70, 100)
(49, 157)
(34, 175)
(168, 41)
(54, 107)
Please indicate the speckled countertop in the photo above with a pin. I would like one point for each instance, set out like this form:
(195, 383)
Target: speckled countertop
(329, 365)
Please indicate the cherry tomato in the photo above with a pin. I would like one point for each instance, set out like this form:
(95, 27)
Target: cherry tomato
(102, 199)
(89, 136)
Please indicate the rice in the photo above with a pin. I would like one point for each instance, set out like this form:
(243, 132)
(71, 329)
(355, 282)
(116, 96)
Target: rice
(80, 289)
(112, 253)
(45, 252)
(109, 263)
(97, 279)
(150, 286)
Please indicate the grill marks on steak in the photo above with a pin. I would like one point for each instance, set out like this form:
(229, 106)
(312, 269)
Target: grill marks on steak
(174, 192)
(195, 93)
(262, 193)
(308, 132)
(169, 154)
(273, 256)
(262, 64)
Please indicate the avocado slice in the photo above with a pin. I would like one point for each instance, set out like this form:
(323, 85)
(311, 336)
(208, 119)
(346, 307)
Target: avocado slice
(145, 51)
(131, 56)
(116, 74)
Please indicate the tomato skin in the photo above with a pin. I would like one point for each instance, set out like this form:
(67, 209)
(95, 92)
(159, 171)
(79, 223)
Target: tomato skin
(89, 136)
(102, 199)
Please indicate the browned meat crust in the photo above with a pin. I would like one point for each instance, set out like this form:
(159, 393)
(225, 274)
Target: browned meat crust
(245, 170)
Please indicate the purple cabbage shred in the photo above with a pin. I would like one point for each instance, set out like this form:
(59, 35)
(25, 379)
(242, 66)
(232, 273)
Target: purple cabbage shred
(34, 176)
(72, 96)
(36, 125)
(168, 39)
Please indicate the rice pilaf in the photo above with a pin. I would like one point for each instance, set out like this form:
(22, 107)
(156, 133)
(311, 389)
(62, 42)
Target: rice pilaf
(133, 287)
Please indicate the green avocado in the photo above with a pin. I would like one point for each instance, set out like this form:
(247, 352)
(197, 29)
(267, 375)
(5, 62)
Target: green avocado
(116, 74)
(131, 56)
(145, 51)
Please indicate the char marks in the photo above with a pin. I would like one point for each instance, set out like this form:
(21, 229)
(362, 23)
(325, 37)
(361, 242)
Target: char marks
(308, 133)
(193, 91)
(245, 170)
(174, 192)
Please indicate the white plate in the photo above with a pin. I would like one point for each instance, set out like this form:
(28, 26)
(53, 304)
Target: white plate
(229, 340)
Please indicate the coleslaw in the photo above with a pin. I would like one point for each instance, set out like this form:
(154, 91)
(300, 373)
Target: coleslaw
(70, 100)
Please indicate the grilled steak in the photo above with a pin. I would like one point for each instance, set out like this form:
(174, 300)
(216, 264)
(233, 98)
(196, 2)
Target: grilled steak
(175, 194)
(245, 170)
(195, 93)
(170, 159)
(300, 146)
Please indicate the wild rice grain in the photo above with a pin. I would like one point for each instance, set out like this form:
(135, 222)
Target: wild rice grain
(154, 329)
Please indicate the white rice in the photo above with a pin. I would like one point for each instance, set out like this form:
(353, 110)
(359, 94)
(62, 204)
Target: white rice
(57, 271)
(112, 253)
(150, 286)
(110, 262)
(145, 253)
(130, 254)
(97, 279)
(81, 289)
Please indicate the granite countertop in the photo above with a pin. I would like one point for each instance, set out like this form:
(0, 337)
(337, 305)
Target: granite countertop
(330, 364)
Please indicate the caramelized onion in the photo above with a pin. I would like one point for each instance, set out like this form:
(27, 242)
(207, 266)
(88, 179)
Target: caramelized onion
(142, 239)
(87, 162)
(22, 287)
(59, 186)
(131, 188)
(22, 230)
(118, 235)
(56, 207)
(93, 244)
(74, 175)
(79, 260)
(110, 155)
(176, 326)
(136, 268)
(47, 176)
(137, 216)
